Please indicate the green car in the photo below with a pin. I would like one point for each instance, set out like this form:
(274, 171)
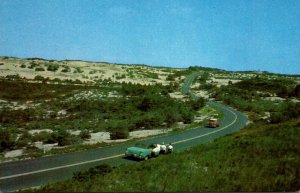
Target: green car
(138, 152)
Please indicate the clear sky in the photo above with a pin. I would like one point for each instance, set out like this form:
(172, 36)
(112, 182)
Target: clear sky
(226, 34)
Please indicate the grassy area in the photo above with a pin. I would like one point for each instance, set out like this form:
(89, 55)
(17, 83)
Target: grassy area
(261, 157)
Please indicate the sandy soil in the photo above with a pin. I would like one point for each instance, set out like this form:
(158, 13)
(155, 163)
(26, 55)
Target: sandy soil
(224, 82)
(202, 93)
(35, 131)
(14, 153)
(177, 95)
(90, 71)
(274, 98)
(100, 137)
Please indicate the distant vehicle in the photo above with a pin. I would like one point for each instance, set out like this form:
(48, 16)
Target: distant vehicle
(144, 152)
(213, 122)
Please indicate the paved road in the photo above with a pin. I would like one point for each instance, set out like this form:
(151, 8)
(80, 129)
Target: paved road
(32, 173)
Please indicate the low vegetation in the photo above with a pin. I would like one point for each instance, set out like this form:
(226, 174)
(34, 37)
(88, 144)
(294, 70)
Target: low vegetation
(262, 157)
(112, 107)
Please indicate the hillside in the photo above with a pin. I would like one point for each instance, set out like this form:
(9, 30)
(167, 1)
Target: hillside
(51, 107)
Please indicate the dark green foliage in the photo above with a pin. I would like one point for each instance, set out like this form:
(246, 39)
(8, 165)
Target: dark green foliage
(197, 104)
(16, 116)
(206, 86)
(287, 111)
(203, 78)
(39, 77)
(6, 139)
(32, 91)
(281, 87)
(244, 96)
(43, 136)
(52, 67)
(39, 69)
(24, 140)
(119, 133)
(23, 66)
(85, 134)
(13, 77)
(33, 64)
(66, 69)
(119, 129)
(296, 91)
(102, 169)
(146, 109)
(62, 137)
(78, 70)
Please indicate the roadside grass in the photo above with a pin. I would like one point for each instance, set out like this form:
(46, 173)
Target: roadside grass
(262, 157)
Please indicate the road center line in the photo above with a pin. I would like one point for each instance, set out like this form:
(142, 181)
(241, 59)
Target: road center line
(60, 167)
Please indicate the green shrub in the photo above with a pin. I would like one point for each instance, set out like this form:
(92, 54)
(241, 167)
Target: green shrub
(39, 69)
(66, 69)
(102, 169)
(118, 129)
(53, 67)
(7, 140)
(42, 136)
(63, 138)
(85, 134)
(119, 134)
(24, 139)
(78, 70)
(23, 66)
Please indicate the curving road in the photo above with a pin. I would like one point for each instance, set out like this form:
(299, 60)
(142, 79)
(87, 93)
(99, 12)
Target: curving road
(31, 173)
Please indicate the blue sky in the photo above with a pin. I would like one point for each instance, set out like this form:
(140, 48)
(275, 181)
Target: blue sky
(226, 34)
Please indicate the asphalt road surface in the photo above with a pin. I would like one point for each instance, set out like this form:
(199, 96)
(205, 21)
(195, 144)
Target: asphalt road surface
(32, 173)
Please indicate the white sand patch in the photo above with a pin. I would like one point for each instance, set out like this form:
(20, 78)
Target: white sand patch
(295, 100)
(177, 95)
(35, 131)
(62, 112)
(76, 132)
(200, 118)
(89, 71)
(196, 85)
(224, 81)
(145, 133)
(274, 98)
(17, 105)
(14, 153)
(100, 137)
(45, 147)
(202, 93)
(267, 115)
